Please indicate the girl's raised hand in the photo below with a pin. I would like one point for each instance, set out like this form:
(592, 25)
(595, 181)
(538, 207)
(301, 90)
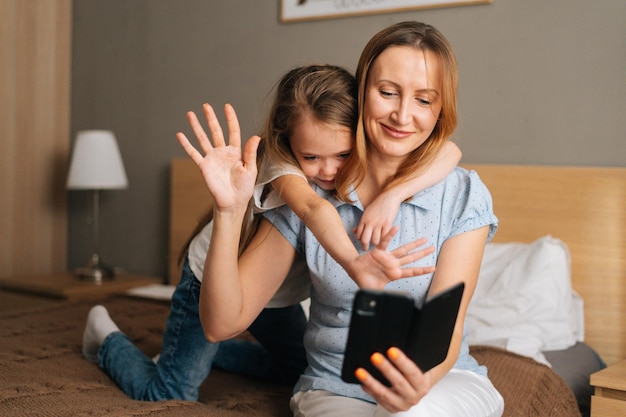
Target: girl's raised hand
(228, 173)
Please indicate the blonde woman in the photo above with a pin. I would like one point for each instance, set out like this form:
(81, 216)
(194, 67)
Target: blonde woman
(407, 77)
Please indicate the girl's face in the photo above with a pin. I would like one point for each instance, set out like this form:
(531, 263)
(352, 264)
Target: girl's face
(321, 149)
(402, 100)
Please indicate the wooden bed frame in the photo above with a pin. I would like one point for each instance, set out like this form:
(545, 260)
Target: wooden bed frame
(583, 206)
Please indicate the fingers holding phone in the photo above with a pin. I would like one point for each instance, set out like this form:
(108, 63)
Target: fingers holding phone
(407, 383)
(384, 319)
(392, 344)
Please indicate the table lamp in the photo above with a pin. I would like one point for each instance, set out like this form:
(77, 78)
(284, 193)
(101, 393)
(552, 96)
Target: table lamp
(96, 165)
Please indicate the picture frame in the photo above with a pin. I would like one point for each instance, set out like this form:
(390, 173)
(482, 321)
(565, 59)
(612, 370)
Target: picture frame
(301, 10)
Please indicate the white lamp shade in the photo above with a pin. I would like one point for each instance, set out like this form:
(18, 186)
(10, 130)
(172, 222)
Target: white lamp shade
(96, 162)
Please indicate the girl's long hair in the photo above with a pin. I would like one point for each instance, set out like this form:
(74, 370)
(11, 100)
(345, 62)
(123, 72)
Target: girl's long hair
(328, 93)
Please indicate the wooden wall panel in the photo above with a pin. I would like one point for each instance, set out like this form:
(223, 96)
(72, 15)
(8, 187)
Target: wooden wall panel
(35, 65)
(190, 201)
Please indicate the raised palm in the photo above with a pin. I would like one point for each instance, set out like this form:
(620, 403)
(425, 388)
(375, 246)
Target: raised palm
(228, 173)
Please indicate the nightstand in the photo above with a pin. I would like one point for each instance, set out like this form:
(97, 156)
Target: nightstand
(609, 399)
(68, 286)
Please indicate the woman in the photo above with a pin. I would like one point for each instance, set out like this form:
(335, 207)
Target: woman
(407, 77)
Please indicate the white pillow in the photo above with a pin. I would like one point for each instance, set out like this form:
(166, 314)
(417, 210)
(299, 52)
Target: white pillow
(524, 301)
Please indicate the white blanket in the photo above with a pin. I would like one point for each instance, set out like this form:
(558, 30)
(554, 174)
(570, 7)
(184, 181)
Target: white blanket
(524, 301)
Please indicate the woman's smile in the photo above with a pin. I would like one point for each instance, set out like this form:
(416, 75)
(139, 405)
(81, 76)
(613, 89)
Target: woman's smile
(397, 133)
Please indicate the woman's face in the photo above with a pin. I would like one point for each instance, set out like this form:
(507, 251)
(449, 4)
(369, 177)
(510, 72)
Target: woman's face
(321, 149)
(402, 100)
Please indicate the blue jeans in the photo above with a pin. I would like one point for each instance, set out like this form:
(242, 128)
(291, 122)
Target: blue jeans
(186, 356)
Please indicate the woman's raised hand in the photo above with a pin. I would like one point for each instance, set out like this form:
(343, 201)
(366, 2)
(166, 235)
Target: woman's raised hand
(229, 174)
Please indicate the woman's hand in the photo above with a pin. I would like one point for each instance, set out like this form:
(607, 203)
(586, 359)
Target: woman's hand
(408, 384)
(229, 175)
(378, 267)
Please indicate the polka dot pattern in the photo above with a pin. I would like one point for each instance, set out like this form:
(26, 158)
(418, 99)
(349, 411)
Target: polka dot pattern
(458, 204)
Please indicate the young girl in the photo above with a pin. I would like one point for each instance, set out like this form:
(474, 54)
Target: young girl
(327, 94)
(407, 77)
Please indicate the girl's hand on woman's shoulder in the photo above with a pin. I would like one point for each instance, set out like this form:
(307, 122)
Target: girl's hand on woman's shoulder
(377, 219)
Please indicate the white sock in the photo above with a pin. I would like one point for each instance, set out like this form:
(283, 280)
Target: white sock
(99, 326)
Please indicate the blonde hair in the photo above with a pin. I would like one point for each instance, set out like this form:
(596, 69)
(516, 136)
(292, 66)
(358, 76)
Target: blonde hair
(421, 37)
(328, 93)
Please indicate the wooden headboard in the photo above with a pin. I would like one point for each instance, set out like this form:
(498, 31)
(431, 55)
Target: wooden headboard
(189, 201)
(583, 206)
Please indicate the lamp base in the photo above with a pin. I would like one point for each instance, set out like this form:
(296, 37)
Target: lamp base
(95, 271)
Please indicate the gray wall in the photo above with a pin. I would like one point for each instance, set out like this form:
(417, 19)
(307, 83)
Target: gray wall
(542, 82)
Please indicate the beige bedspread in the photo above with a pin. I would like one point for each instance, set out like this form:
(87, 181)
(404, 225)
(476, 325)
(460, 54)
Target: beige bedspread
(42, 372)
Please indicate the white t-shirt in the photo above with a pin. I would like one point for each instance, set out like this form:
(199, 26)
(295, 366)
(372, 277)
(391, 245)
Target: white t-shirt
(268, 173)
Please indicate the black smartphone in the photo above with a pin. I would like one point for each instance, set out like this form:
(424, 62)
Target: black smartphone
(382, 319)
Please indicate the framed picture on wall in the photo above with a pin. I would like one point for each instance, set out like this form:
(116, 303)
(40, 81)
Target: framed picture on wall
(298, 10)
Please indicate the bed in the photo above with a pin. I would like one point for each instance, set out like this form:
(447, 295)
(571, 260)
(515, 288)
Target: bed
(575, 215)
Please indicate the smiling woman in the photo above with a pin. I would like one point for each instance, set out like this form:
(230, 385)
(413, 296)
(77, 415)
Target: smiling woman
(400, 131)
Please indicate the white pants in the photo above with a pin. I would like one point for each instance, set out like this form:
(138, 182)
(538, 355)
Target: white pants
(458, 394)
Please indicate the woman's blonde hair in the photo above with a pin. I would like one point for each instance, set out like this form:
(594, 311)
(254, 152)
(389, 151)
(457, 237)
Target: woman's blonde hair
(422, 37)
